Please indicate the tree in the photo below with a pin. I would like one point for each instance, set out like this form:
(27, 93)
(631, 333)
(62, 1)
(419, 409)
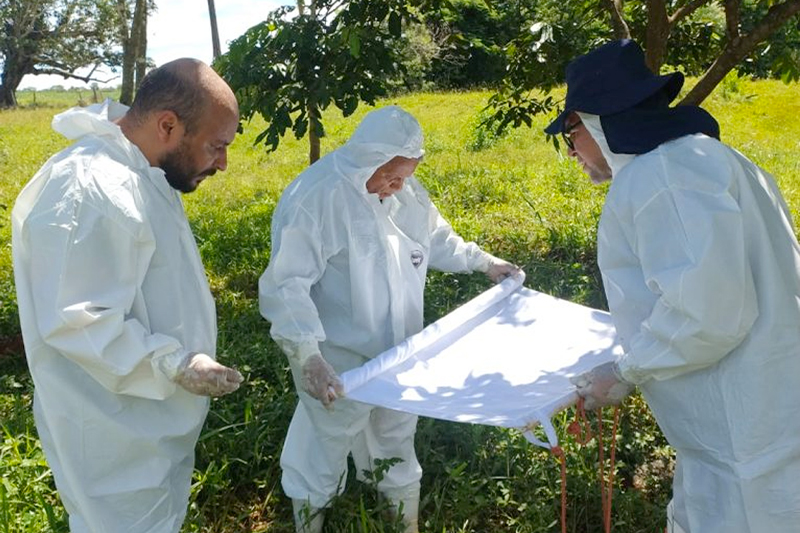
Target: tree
(54, 37)
(702, 37)
(332, 52)
(739, 42)
(133, 36)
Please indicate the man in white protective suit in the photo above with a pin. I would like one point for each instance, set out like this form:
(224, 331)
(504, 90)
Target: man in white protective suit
(352, 239)
(117, 318)
(701, 268)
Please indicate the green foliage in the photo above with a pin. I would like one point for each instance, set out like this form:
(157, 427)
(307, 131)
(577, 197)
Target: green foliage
(417, 51)
(548, 38)
(517, 197)
(286, 69)
(481, 137)
(731, 87)
(471, 35)
(553, 32)
(779, 57)
(28, 501)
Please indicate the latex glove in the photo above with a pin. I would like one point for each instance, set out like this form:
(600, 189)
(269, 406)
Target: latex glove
(499, 269)
(601, 386)
(199, 374)
(320, 380)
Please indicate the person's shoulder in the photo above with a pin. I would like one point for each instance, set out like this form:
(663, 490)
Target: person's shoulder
(698, 162)
(318, 187)
(105, 169)
(95, 174)
(695, 163)
(79, 184)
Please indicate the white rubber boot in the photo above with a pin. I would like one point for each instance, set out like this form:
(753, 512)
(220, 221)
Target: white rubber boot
(406, 501)
(307, 519)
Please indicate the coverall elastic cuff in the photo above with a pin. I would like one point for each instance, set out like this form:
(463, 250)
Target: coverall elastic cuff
(629, 373)
(170, 363)
(482, 262)
(301, 351)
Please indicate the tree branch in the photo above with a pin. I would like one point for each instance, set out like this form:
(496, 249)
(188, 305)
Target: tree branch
(686, 10)
(614, 8)
(67, 75)
(736, 50)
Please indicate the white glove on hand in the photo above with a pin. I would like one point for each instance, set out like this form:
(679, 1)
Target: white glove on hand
(199, 374)
(499, 269)
(320, 380)
(601, 386)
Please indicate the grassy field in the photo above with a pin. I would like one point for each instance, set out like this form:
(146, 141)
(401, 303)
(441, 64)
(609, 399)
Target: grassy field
(516, 196)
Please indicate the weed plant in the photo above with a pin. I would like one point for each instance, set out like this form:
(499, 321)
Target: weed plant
(514, 195)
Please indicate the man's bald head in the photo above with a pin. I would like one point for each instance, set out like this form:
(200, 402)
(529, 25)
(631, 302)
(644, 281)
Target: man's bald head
(188, 87)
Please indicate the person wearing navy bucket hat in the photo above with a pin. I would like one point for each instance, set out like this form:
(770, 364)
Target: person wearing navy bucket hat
(700, 263)
(612, 79)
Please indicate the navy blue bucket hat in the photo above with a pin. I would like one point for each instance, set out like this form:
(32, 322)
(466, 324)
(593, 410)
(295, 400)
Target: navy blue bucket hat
(611, 79)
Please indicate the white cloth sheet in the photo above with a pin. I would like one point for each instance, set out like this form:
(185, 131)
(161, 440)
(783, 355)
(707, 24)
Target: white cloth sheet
(502, 359)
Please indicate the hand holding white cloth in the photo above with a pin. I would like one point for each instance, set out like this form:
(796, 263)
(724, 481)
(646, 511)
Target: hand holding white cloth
(321, 381)
(499, 269)
(601, 386)
(202, 375)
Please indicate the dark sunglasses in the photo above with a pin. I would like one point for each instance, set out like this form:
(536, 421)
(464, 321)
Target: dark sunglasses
(566, 134)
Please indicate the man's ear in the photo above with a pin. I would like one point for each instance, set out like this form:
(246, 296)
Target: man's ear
(168, 126)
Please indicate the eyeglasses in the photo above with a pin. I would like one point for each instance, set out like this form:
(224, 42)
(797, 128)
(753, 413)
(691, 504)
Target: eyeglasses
(567, 134)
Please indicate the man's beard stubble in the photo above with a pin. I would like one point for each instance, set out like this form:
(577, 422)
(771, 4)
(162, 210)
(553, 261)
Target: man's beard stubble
(180, 174)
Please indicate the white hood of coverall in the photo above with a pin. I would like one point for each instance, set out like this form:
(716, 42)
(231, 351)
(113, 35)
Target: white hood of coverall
(700, 267)
(108, 278)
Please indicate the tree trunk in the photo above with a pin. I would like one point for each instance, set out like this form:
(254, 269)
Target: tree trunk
(8, 96)
(657, 34)
(20, 53)
(139, 37)
(313, 110)
(128, 53)
(13, 71)
(313, 137)
(212, 16)
(736, 50)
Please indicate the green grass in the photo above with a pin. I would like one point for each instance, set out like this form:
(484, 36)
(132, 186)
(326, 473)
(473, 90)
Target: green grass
(514, 195)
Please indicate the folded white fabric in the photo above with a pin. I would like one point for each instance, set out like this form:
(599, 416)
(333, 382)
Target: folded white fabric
(502, 359)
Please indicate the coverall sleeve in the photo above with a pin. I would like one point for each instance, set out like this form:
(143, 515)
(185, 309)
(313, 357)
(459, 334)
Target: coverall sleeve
(86, 268)
(449, 252)
(284, 290)
(691, 246)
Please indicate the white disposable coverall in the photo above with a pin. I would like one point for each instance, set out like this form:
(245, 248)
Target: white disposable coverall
(346, 278)
(701, 269)
(108, 281)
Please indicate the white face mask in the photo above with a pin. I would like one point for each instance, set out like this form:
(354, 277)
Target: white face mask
(615, 161)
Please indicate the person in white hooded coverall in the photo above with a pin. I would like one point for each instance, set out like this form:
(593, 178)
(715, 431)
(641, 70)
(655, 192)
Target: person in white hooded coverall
(117, 319)
(701, 268)
(352, 239)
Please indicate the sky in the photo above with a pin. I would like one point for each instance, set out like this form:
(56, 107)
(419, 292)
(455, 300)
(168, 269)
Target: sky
(181, 28)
